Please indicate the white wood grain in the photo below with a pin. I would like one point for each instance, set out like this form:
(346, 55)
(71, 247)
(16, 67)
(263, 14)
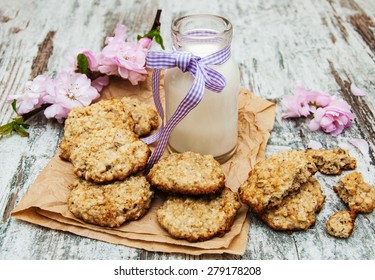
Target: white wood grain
(277, 44)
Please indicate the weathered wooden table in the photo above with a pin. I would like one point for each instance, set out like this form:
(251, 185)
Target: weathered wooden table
(324, 44)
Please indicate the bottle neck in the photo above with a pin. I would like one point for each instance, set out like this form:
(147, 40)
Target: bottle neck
(202, 47)
(201, 34)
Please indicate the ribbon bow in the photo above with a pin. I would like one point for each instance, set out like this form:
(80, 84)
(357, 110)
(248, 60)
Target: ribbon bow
(204, 77)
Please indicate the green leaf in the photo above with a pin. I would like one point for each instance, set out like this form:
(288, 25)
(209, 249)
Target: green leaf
(22, 132)
(83, 64)
(159, 40)
(19, 121)
(17, 125)
(6, 129)
(14, 106)
(153, 33)
(25, 125)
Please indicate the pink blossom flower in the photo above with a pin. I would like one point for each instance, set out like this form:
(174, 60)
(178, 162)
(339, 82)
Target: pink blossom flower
(69, 90)
(126, 59)
(332, 115)
(333, 118)
(32, 96)
(303, 102)
(296, 106)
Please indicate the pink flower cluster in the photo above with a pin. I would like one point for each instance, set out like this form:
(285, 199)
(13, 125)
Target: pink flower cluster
(125, 59)
(330, 114)
(120, 58)
(66, 91)
(70, 88)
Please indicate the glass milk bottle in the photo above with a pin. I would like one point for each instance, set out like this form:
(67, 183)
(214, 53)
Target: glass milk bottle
(211, 127)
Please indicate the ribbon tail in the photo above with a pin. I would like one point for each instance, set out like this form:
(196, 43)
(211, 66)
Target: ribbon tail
(190, 101)
(159, 108)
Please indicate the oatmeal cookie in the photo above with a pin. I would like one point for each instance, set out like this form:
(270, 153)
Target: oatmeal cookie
(82, 121)
(341, 224)
(145, 116)
(357, 194)
(187, 173)
(332, 162)
(297, 210)
(109, 154)
(199, 218)
(274, 178)
(112, 204)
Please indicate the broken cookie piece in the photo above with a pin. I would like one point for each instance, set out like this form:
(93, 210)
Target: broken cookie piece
(357, 194)
(332, 162)
(298, 210)
(145, 116)
(341, 224)
(274, 178)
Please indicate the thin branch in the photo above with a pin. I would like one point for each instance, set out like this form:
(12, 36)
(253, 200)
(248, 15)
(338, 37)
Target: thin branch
(156, 25)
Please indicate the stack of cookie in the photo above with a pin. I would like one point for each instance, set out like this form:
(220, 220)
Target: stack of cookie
(199, 206)
(282, 191)
(102, 142)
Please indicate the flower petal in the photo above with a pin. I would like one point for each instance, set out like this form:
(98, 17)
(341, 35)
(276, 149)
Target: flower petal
(314, 145)
(337, 130)
(145, 42)
(356, 91)
(330, 128)
(327, 120)
(305, 110)
(56, 111)
(314, 125)
(361, 144)
(319, 114)
(100, 82)
(323, 99)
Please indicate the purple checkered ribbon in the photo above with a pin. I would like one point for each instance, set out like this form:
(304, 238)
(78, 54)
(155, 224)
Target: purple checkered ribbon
(204, 77)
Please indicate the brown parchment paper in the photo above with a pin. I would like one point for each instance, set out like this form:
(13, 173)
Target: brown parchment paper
(45, 202)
